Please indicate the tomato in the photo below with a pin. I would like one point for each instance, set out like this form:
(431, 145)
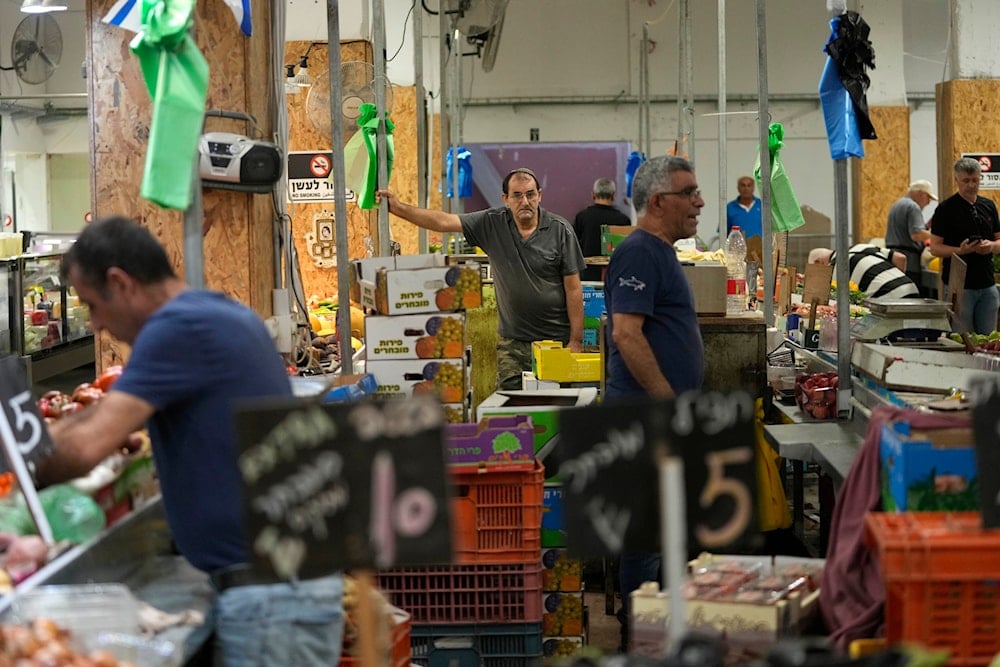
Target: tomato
(108, 377)
(86, 393)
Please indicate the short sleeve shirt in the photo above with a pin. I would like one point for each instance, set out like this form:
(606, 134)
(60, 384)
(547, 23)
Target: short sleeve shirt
(955, 220)
(527, 273)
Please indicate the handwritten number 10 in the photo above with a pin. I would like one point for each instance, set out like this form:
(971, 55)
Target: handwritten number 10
(717, 486)
(24, 420)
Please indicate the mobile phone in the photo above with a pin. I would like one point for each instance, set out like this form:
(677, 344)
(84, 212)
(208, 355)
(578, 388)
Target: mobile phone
(974, 239)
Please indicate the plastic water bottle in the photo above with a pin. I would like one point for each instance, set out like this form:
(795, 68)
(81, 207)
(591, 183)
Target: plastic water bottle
(736, 283)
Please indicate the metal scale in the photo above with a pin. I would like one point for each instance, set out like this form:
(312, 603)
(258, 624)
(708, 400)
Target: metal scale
(902, 321)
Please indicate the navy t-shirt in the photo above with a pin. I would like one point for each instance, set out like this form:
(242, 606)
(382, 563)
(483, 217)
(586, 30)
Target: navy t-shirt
(645, 278)
(191, 360)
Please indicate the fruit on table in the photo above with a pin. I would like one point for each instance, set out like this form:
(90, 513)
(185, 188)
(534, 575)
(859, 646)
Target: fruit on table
(816, 394)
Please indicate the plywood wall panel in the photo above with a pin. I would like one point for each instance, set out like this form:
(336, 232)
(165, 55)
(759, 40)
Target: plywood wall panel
(968, 121)
(237, 246)
(321, 281)
(883, 175)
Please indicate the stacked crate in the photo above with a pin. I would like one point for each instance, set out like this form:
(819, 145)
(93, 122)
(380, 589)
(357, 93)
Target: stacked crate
(486, 607)
(415, 339)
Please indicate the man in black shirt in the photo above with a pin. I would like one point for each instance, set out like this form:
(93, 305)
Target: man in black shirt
(588, 223)
(966, 224)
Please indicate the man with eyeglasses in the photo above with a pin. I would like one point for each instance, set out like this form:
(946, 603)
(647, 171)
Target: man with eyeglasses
(654, 342)
(536, 262)
(967, 225)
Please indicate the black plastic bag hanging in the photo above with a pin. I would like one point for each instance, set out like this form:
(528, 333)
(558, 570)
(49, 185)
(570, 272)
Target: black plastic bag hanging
(852, 51)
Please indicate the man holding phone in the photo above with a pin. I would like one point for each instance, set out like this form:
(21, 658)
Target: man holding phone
(967, 225)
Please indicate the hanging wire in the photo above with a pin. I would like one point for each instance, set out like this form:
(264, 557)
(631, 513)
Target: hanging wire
(403, 40)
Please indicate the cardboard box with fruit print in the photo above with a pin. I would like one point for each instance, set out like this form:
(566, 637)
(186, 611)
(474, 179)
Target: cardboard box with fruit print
(438, 336)
(400, 378)
(406, 284)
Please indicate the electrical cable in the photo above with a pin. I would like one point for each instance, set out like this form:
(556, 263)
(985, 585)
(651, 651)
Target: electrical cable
(403, 41)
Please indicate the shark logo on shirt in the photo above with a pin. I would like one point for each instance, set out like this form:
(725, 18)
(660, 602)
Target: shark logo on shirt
(633, 282)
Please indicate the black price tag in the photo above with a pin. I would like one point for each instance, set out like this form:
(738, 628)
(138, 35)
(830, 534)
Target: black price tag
(608, 463)
(986, 428)
(20, 421)
(333, 487)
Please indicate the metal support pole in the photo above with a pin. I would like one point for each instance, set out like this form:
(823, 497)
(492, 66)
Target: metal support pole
(764, 121)
(378, 30)
(421, 98)
(339, 181)
(194, 253)
(722, 123)
(448, 51)
(843, 277)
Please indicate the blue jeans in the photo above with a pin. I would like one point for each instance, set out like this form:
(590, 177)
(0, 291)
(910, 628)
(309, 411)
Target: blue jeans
(633, 570)
(979, 309)
(280, 625)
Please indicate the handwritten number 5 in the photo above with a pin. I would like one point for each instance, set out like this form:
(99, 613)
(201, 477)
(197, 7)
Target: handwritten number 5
(719, 485)
(24, 418)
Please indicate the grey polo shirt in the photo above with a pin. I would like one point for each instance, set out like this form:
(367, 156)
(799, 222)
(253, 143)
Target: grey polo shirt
(527, 273)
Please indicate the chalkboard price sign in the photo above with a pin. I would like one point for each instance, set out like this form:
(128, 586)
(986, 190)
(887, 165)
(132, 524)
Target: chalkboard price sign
(608, 462)
(332, 487)
(20, 421)
(986, 428)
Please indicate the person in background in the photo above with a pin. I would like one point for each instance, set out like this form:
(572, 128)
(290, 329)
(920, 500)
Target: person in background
(187, 368)
(967, 225)
(589, 221)
(536, 262)
(744, 211)
(906, 231)
(654, 342)
(878, 272)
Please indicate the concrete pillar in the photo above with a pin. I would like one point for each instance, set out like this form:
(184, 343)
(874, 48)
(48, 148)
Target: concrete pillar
(238, 246)
(968, 105)
(884, 173)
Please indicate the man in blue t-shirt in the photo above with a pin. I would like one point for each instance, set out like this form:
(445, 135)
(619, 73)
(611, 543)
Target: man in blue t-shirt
(654, 342)
(194, 354)
(744, 211)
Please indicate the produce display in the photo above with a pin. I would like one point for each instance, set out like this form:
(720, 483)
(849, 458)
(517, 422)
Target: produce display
(816, 394)
(43, 643)
(751, 582)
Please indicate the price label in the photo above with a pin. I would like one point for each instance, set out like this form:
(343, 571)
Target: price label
(608, 459)
(333, 487)
(21, 424)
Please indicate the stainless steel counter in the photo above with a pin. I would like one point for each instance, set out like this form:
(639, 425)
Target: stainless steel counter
(136, 552)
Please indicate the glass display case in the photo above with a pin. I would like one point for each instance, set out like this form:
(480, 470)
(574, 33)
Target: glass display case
(42, 318)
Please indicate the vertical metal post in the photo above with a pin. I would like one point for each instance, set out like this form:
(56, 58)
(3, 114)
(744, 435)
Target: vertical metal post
(683, 55)
(455, 125)
(339, 181)
(422, 148)
(722, 123)
(448, 51)
(194, 253)
(764, 122)
(688, 80)
(381, 81)
(843, 277)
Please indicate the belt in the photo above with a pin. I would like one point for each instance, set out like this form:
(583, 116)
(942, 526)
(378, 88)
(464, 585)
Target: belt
(233, 576)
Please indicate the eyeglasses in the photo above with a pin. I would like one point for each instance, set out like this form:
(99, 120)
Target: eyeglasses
(531, 195)
(690, 193)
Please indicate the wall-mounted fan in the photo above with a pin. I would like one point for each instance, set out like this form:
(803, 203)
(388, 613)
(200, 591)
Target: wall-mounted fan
(480, 22)
(357, 84)
(36, 48)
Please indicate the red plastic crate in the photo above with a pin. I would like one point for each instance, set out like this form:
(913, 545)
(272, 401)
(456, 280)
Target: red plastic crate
(942, 579)
(400, 644)
(444, 594)
(497, 515)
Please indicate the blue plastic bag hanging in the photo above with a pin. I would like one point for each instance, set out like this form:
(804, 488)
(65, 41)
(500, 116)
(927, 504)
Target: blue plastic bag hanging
(635, 160)
(849, 54)
(464, 172)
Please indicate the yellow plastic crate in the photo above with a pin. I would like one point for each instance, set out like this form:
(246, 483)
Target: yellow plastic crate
(551, 361)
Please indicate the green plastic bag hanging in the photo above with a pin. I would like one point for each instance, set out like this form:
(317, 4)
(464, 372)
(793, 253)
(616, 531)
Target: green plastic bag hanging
(361, 155)
(176, 76)
(785, 212)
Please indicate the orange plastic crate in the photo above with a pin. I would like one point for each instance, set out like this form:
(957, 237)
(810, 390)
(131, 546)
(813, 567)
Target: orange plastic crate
(942, 580)
(497, 516)
(400, 637)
